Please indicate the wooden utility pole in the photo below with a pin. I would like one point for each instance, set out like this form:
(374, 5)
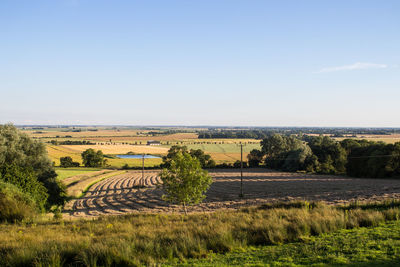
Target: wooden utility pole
(142, 182)
(241, 170)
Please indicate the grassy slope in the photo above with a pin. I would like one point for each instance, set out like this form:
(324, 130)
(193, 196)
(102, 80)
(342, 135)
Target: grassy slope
(148, 239)
(376, 246)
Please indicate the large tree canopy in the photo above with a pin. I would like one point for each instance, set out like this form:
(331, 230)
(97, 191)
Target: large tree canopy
(93, 158)
(18, 149)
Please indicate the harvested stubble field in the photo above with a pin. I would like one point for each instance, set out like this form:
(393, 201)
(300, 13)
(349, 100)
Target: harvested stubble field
(77, 185)
(129, 193)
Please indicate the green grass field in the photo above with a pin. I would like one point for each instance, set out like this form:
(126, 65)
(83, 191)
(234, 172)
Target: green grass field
(69, 172)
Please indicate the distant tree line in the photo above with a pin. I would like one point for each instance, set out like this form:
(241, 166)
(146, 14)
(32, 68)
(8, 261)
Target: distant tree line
(261, 133)
(322, 154)
(254, 134)
(71, 142)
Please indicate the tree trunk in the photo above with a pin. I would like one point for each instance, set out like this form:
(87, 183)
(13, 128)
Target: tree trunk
(184, 208)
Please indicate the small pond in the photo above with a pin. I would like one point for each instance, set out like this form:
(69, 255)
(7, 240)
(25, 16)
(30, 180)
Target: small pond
(137, 157)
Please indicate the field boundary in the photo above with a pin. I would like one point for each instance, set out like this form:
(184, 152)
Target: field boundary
(78, 189)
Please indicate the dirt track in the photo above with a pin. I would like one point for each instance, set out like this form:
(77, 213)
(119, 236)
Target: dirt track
(121, 194)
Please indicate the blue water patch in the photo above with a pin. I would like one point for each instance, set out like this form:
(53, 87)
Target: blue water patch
(137, 157)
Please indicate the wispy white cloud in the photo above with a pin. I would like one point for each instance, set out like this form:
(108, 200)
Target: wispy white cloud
(355, 66)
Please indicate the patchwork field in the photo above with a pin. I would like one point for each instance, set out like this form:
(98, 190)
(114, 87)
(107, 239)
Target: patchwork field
(129, 193)
(105, 135)
(74, 151)
(227, 152)
(123, 140)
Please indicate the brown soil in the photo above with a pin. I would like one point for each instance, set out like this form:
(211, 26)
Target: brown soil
(129, 193)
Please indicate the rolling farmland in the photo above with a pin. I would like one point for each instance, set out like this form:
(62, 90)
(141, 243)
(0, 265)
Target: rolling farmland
(124, 140)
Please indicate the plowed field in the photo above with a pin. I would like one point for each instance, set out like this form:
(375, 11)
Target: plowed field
(129, 193)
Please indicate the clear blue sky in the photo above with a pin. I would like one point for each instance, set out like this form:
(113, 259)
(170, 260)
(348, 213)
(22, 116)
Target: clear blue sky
(261, 63)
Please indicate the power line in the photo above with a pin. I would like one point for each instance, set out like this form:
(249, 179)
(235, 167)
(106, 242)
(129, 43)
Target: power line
(241, 169)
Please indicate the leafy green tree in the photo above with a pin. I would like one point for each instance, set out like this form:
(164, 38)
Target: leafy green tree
(67, 161)
(393, 165)
(277, 147)
(274, 145)
(17, 148)
(301, 159)
(205, 160)
(374, 159)
(331, 155)
(184, 181)
(93, 158)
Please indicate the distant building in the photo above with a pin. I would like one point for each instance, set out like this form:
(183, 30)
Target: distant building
(153, 143)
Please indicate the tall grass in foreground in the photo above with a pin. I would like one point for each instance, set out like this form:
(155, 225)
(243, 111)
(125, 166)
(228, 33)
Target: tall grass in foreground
(148, 239)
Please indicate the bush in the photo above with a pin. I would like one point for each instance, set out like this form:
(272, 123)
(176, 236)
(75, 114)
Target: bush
(66, 162)
(14, 204)
(26, 181)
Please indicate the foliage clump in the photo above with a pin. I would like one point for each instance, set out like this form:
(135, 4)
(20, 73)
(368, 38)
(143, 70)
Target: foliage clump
(26, 181)
(15, 205)
(67, 162)
(205, 160)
